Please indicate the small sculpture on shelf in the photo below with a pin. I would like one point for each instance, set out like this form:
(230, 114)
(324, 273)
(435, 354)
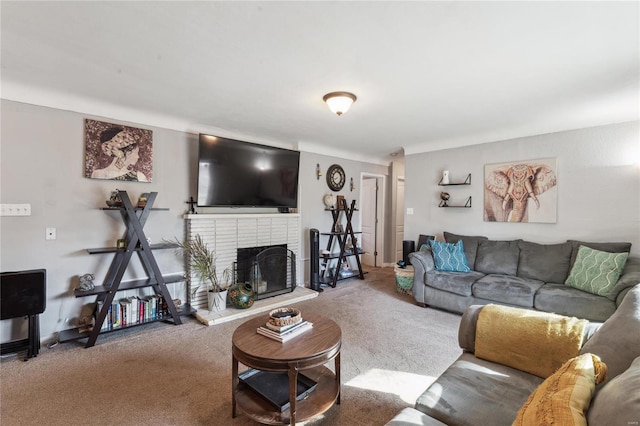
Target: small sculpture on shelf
(114, 199)
(192, 203)
(142, 200)
(86, 282)
(329, 201)
(444, 196)
(345, 269)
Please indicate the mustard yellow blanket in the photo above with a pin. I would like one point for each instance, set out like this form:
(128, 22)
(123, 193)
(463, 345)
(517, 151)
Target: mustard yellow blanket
(535, 342)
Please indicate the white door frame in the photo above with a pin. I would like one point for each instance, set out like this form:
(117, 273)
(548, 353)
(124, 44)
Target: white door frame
(381, 214)
(399, 215)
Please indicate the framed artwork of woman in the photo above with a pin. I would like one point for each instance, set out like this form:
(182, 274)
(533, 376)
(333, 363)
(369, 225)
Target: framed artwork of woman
(117, 152)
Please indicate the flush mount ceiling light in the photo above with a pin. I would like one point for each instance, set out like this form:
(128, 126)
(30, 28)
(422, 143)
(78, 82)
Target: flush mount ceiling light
(339, 102)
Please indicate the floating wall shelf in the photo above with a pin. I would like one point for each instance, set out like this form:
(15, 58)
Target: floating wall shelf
(467, 181)
(467, 205)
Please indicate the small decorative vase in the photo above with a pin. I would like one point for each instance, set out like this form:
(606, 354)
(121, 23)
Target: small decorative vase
(445, 177)
(217, 300)
(242, 295)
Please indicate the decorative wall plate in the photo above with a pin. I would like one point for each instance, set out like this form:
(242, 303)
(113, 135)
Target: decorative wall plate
(336, 177)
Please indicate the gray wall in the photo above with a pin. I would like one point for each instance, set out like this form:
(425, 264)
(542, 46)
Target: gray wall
(598, 187)
(42, 160)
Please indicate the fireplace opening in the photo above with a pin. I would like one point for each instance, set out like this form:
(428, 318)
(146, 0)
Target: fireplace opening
(271, 270)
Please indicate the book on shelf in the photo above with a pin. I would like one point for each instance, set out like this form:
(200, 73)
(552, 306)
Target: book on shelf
(129, 311)
(286, 335)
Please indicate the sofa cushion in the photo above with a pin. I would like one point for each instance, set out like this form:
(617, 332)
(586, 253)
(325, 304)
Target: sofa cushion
(618, 401)
(453, 282)
(616, 247)
(422, 259)
(596, 271)
(544, 262)
(564, 397)
(497, 257)
(629, 278)
(617, 342)
(470, 245)
(565, 300)
(507, 289)
(472, 389)
(449, 257)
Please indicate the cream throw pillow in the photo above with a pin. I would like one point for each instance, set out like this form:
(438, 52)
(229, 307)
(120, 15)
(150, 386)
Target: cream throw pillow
(564, 397)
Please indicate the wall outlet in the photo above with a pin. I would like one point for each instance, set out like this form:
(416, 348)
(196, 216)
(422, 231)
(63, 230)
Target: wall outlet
(409, 210)
(15, 209)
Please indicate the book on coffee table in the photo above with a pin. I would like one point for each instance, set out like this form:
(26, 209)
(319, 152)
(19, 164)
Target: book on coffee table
(274, 386)
(287, 334)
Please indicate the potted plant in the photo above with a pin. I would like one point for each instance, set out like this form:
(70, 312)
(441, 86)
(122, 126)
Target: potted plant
(201, 262)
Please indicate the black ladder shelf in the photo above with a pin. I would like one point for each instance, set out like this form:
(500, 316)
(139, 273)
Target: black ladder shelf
(341, 237)
(136, 242)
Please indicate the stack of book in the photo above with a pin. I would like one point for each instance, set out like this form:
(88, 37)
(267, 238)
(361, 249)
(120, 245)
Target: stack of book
(283, 333)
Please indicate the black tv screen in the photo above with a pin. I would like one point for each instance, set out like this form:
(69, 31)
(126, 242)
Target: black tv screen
(233, 173)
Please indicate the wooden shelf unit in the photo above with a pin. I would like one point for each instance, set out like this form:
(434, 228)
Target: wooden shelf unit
(338, 257)
(136, 242)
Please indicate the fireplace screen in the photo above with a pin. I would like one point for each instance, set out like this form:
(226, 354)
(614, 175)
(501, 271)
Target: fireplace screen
(270, 270)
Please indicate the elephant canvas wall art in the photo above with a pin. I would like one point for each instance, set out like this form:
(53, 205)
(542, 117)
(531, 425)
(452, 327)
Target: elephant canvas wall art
(524, 191)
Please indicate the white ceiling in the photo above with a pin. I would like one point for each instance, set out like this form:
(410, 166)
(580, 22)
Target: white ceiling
(428, 75)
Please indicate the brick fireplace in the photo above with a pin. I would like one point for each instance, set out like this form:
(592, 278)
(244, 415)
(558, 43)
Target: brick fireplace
(226, 233)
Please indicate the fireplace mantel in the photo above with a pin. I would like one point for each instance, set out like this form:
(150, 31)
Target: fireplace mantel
(225, 233)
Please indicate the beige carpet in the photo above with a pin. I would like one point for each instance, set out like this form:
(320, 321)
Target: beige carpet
(181, 375)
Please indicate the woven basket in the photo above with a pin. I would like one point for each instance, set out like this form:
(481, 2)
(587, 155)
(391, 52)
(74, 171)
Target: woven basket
(404, 279)
(295, 318)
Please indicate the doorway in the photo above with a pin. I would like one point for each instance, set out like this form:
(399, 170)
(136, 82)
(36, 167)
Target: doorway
(372, 218)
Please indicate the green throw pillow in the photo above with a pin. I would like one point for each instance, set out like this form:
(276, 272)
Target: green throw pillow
(449, 257)
(596, 271)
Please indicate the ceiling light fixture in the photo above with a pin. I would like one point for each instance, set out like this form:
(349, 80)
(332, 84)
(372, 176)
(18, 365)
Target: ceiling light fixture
(339, 102)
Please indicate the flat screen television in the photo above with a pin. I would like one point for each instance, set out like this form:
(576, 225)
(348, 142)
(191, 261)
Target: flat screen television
(234, 173)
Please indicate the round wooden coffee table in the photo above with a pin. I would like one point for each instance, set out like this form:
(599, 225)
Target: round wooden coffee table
(308, 352)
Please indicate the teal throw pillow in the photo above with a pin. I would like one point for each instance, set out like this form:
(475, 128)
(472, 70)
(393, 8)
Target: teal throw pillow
(596, 271)
(449, 257)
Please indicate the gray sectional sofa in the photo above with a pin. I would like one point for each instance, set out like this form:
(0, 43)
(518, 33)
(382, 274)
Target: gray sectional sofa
(520, 274)
(476, 391)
